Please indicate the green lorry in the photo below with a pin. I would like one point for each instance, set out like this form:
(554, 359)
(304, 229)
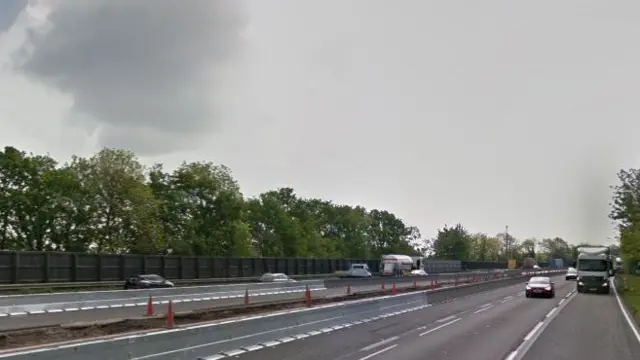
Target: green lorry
(595, 269)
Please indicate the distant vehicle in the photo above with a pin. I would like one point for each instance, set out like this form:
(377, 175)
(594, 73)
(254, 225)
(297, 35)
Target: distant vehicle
(572, 274)
(540, 286)
(536, 267)
(594, 269)
(395, 265)
(150, 281)
(275, 277)
(357, 270)
(419, 272)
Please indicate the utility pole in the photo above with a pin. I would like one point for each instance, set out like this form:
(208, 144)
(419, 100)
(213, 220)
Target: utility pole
(507, 245)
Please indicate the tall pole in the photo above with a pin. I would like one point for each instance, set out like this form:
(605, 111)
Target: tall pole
(506, 242)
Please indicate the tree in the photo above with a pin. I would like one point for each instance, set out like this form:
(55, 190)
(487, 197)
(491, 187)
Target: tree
(557, 248)
(484, 247)
(529, 247)
(625, 211)
(452, 243)
(111, 203)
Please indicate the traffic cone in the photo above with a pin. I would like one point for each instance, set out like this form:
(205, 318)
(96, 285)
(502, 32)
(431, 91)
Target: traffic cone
(246, 296)
(348, 289)
(170, 319)
(393, 289)
(382, 286)
(307, 295)
(150, 306)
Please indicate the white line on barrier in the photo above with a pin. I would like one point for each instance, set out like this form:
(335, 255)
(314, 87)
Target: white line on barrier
(157, 302)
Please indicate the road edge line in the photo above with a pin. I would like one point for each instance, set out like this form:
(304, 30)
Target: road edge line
(630, 322)
(539, 328)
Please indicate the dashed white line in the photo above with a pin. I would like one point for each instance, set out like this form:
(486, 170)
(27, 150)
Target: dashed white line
(379, 343)
(483, 309)
(440, 327)
(378, 352)
(446, 319)
(506, 299)
(533, 331)
(551, 312)
(561, 301)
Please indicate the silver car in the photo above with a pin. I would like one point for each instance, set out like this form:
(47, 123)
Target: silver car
(275, 277)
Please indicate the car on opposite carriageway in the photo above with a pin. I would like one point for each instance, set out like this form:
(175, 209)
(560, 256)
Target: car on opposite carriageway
(541, 286)
(572, 274)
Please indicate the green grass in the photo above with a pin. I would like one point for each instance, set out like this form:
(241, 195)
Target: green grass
(630, 293)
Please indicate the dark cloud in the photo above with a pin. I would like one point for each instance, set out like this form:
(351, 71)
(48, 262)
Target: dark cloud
(9, 11)
(141, 69)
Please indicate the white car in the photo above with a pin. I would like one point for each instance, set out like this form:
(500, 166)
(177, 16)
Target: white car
(418, 272)
(572, 274)
(275, 277)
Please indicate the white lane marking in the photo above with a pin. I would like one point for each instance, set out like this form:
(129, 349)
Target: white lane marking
(440, 327)
(483, 309)
(551, 312)
(506, 299)
(624, 312)
(485, 305)
(533, 331)
(533, 335)
(446, 319)
(561, 301)
(512, 355)
(235, 352)
(378, 352)
(379, 343)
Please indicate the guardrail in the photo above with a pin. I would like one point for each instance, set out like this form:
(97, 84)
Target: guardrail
(94, 300)
(15, 305)
(223, 339)
(178, 282)
(189, 282)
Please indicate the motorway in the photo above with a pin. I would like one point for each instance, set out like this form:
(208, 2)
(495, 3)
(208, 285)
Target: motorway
(499, 324)
(132, 304)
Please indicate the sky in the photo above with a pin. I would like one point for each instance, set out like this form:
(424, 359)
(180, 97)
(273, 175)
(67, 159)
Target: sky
(487, 113)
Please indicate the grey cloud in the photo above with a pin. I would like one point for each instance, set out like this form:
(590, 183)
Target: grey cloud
(9, 11)
(144, 69)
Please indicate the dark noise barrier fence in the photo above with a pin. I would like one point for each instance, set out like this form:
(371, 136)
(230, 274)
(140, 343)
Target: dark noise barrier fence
(42, 267)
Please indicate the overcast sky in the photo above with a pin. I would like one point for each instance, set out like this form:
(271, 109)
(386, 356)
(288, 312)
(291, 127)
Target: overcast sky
(488, 113)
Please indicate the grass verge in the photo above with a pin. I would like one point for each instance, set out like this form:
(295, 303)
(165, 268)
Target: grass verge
(630, 292)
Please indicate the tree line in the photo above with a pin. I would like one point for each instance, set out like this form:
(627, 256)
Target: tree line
(456, 242)
(625, 212)
(111, 203)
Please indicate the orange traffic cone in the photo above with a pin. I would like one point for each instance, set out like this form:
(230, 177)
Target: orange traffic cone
(150, 306)
(170, 319)
(246, 296)
(393, 289)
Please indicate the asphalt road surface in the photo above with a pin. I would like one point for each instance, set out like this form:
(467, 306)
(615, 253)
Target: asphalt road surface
(592, 326)
(69, 317)
(487, 326)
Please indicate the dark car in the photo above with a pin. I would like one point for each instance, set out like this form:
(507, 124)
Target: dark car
(147, 282)
(541, 286)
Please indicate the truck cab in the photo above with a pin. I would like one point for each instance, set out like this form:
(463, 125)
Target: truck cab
(594, 268)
